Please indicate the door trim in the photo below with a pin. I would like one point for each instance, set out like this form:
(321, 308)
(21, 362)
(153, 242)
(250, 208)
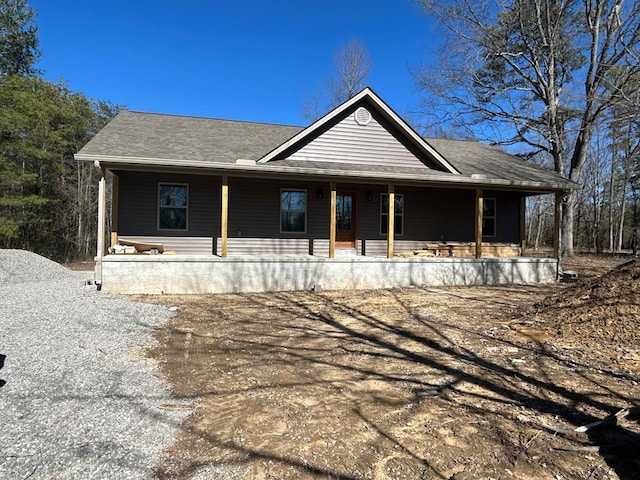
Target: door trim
(352, 242)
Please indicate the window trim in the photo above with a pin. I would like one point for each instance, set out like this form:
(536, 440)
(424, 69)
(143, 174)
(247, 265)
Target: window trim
(185, 207)
(386, 214)
(494, 217)
(306, 207)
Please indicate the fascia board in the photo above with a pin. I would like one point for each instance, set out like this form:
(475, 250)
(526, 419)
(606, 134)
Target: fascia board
(406, 128)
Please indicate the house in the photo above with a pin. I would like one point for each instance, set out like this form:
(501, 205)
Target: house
(259, 207)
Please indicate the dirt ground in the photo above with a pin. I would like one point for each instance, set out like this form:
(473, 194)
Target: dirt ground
(435, 383)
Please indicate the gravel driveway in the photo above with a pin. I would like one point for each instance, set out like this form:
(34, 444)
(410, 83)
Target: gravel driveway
(76, 398)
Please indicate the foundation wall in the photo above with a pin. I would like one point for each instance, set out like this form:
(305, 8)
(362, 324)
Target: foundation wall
(133, 274)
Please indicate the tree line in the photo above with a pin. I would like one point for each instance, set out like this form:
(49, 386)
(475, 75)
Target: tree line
(555, 81)
(47, 199)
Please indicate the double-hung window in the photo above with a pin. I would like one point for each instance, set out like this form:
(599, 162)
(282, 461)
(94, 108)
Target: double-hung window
(293, 211)
(173, 204)
(489, 217)
(398, 214)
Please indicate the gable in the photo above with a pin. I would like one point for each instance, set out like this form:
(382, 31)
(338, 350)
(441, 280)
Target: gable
(428, 158)
(361, 136)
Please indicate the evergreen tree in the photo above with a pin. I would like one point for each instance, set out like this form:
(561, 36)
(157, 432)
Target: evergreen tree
(47, 199)
(18, 38)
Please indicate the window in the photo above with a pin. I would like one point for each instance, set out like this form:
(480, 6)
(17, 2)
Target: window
(489, 217)
(293, 211)
(398, 223)
(173, 200)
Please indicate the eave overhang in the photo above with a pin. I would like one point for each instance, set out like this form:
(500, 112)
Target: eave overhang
(440, 179)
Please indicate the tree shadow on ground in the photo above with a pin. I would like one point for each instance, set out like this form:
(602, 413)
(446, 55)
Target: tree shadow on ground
(2, 358)
(385, 376)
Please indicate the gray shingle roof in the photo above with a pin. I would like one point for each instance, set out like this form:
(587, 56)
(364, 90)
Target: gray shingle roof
(471, 157)
(172, 140)
(151, 135)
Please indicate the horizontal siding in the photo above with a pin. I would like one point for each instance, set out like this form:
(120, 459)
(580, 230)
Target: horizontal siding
(138, 203)
(378, 248)
(348, 142)
(254, 208)
(181, 245)
(507, 217)
(321, 247)
(264, 246)
(439, 214)
(435, 214)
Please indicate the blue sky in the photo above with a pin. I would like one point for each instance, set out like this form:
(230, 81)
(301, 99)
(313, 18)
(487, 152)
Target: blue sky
(246, 60)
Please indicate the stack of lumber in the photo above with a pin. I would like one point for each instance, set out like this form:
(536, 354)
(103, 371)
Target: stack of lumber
(416, 253)
(130, 247)
(464, 250)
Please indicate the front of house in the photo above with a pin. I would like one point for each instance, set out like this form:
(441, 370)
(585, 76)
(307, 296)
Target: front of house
(239, 206)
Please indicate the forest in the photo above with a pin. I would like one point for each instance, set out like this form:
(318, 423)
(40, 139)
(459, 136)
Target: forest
(47, 199)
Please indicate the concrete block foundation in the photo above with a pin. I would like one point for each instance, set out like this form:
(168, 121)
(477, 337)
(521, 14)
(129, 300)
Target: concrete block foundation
(191, 274)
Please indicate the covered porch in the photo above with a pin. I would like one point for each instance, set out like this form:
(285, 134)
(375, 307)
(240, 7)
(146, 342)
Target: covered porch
(230, 261)
(355, 219)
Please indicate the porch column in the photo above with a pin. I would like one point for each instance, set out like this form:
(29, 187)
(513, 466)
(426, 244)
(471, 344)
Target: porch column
(523, 226)
(391, 220)
(115, 206)
(332, 221)
(102, 218)
(557, 213)
(224, 214)
(479, 211)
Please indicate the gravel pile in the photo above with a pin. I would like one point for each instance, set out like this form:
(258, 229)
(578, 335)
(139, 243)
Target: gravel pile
(20, 266)
(78, 400)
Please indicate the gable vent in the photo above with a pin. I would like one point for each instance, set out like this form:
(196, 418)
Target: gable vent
(362, 116)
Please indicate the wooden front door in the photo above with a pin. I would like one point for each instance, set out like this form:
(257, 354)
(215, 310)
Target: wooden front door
(345, 220)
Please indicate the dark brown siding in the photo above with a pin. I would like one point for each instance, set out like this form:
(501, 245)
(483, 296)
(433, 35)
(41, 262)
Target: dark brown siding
(507, 217)
(430, 215)
(254, 208)
(435, 215)
(254, 217)
(139, 204)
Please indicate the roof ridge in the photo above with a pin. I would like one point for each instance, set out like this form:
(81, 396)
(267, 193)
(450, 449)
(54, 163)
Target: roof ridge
(200, 117)
(469, 140)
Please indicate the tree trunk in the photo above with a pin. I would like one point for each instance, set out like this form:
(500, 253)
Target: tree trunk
(534, 212)
(538, 231)
(622, 212)
(611, 202)
(567, 225)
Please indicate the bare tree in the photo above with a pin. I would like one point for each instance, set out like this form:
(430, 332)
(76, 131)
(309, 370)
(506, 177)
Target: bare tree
(624, 135)
(542, 70)
(352, 65)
